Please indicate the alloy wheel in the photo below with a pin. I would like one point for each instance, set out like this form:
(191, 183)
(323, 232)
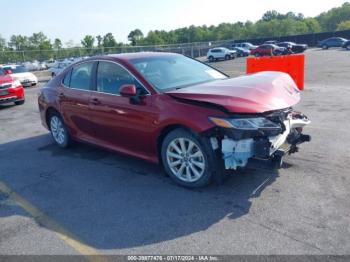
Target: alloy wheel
(57, 130)
(185, 160)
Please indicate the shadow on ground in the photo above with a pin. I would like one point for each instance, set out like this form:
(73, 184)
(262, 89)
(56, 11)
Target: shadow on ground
(110, 201)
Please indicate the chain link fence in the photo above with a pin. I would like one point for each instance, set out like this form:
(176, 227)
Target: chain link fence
(190, 49)
(194, 50)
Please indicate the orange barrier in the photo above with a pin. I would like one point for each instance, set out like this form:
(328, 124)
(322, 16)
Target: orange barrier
(292, 64)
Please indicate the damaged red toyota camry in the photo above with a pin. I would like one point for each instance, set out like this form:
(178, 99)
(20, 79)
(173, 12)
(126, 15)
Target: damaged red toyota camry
(168, 108)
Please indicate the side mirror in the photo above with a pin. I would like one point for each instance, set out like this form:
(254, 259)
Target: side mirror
(128, 90)
(8, 72)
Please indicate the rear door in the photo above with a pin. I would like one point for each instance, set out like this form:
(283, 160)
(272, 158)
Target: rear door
(74, 98)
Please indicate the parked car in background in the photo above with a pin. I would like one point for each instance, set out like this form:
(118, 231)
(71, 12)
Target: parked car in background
(245, 45)
(50, 63)
(270, 42)
(212, 122)
(332, 42)
(346, 45)
(221, 53)
(269, 50)
(32, 66)
(20, 73)
(295, 48)
(241, 51)
(58, 67)
(11, 90)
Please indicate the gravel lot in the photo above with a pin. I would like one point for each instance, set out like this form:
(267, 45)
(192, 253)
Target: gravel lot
(112, 204)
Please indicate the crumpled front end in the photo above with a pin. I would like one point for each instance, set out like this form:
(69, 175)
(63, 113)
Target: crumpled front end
(279, 133)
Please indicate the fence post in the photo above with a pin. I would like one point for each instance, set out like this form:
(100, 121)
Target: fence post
(23, 56)
(192, 53)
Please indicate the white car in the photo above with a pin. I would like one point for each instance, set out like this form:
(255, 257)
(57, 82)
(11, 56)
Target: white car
(58, 68)
(20, 73)
(221, 53)
(245, 45)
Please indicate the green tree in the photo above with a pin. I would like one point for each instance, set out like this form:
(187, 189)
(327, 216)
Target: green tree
(57, 44)
(2, 43)
(18, 42)
(40, 41)
(88, 41)
(331, 19)
(344, 25)
(135, 36)
(99, 40)
(109, 40)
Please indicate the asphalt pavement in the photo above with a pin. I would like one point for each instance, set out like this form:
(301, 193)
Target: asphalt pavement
(86, 200)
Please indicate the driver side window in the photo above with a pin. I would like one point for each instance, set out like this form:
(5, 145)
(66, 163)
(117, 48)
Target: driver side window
(111, 76)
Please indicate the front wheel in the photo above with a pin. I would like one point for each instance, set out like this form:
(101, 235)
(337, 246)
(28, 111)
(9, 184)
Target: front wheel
(59, 130)
(324, 47)
(211, 59)
(187, 158)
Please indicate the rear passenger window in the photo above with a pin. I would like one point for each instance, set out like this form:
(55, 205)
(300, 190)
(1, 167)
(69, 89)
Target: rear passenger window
(111, 76)
(81, 76)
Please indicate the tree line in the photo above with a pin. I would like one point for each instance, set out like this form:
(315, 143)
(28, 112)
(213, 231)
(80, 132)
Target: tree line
(272, 24)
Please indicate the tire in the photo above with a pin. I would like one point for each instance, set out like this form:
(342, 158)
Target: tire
(227, 57)
(347, 47)
(18, 103)
(211, 59)
(257, 55)
(324, 47)
(53, 75)
(191, 169)
(59, 131)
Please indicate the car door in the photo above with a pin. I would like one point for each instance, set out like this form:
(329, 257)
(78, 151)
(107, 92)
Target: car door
(120, 123)
(74, 99)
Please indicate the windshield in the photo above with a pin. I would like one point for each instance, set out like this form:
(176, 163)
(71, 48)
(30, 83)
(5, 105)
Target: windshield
(17, 69)
(173, 71)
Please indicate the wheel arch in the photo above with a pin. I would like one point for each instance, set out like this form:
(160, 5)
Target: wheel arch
(165, 131)
(49, 111)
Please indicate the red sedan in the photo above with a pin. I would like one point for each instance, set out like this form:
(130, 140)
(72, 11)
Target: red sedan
(11, 91)
(168, 108)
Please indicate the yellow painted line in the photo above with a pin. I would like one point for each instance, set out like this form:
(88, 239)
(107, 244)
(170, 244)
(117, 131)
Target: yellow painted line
(44, 220)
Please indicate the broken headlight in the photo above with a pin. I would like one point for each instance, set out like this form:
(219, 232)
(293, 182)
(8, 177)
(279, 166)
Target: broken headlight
(258, 123)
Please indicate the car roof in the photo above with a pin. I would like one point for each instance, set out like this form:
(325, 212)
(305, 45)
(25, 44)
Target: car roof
(130, 56)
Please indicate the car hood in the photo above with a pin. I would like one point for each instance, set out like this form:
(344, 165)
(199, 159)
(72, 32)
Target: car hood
(256, 93)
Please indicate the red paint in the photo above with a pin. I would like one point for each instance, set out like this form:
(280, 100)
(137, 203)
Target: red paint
(16, 92)
(294, 65)
(115, 123)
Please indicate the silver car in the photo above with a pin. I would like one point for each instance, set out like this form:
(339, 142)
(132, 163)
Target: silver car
(223, 53)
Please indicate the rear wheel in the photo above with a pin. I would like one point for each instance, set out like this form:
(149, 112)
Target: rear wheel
(227, 57)
(18, 103)
(187, 158)
(59, 130)
(324, 47)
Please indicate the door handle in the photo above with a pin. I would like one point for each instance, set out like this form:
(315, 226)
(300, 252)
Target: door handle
(62, 96)
(95, 101)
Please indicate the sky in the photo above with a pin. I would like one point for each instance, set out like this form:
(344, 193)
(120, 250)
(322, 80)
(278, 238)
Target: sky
(73, 19)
